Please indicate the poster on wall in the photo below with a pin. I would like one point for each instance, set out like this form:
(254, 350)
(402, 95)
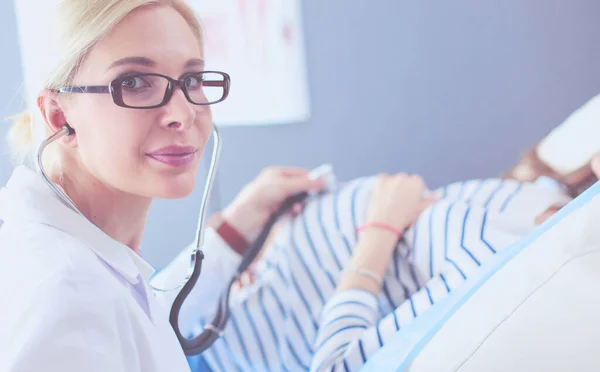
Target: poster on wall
(260, 44)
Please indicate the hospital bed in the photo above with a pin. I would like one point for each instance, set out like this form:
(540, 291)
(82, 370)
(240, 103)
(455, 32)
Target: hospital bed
(534, 306)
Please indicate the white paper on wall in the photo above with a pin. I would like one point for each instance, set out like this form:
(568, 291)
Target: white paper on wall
(260, 44)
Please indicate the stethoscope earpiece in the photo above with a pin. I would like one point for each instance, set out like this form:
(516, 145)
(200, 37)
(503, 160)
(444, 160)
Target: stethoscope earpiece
(69, 129)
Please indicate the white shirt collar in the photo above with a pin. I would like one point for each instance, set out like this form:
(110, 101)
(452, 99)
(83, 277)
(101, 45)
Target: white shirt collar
(28, 198)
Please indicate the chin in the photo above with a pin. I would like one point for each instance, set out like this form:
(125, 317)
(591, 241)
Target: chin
(174, 188)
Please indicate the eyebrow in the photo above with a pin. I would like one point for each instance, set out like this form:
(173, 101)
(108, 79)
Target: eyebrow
(147, 62)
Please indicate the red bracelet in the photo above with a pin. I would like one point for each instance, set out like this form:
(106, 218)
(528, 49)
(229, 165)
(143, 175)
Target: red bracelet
(233, 237)
(229, 234)
(380, 226)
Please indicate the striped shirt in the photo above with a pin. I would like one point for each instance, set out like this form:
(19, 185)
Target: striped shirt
(292, 319)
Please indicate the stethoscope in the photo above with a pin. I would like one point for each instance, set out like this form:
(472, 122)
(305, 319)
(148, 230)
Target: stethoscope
(213, 330)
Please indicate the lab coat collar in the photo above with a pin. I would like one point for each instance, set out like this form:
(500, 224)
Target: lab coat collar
(26, 197)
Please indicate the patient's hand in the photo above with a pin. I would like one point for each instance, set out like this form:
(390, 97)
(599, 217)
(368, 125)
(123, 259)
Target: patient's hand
(596, 165)
(549, 212)
(259, 199)
(397, 200)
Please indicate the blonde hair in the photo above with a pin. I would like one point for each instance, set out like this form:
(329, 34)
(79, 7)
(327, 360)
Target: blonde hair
(76, 26)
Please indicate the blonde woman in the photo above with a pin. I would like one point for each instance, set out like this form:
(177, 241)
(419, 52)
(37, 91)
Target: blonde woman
(126, 77)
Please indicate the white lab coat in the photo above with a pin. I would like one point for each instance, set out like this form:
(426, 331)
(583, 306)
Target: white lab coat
(76, 300)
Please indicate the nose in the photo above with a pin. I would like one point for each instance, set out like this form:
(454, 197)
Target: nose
(180, 114)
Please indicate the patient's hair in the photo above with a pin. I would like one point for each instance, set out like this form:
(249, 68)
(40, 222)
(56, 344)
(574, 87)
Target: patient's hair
(76, 25)
(531, 167)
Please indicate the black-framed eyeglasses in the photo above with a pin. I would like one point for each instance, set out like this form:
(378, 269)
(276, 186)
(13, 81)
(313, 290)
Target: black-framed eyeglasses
(149, 90)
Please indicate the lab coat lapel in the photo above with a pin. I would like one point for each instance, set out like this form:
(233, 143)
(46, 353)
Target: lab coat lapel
(27, 198)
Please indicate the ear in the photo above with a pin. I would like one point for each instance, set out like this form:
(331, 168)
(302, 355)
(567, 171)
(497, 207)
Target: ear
(54, 115)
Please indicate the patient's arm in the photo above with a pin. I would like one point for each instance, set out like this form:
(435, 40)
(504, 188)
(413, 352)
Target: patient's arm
(456, 238)
(350, 332)
(396, 203)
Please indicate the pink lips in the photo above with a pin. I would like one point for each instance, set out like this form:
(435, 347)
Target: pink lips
(174, 155)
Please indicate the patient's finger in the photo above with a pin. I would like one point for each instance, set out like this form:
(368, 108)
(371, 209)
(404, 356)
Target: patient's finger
(596, 165)
(428, 201)
(297, 208)
(290, 171)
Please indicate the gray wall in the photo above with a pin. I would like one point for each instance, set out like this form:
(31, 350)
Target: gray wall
(448, 89)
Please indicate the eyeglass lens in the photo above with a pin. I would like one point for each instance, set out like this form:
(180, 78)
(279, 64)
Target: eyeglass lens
(150, 90)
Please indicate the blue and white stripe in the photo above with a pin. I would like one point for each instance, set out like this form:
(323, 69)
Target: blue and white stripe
(291, 318)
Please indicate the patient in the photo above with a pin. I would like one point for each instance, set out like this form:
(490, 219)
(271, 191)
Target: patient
(308, 309)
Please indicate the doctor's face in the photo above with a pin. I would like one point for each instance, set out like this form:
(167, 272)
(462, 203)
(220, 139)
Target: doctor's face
(151, 152)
